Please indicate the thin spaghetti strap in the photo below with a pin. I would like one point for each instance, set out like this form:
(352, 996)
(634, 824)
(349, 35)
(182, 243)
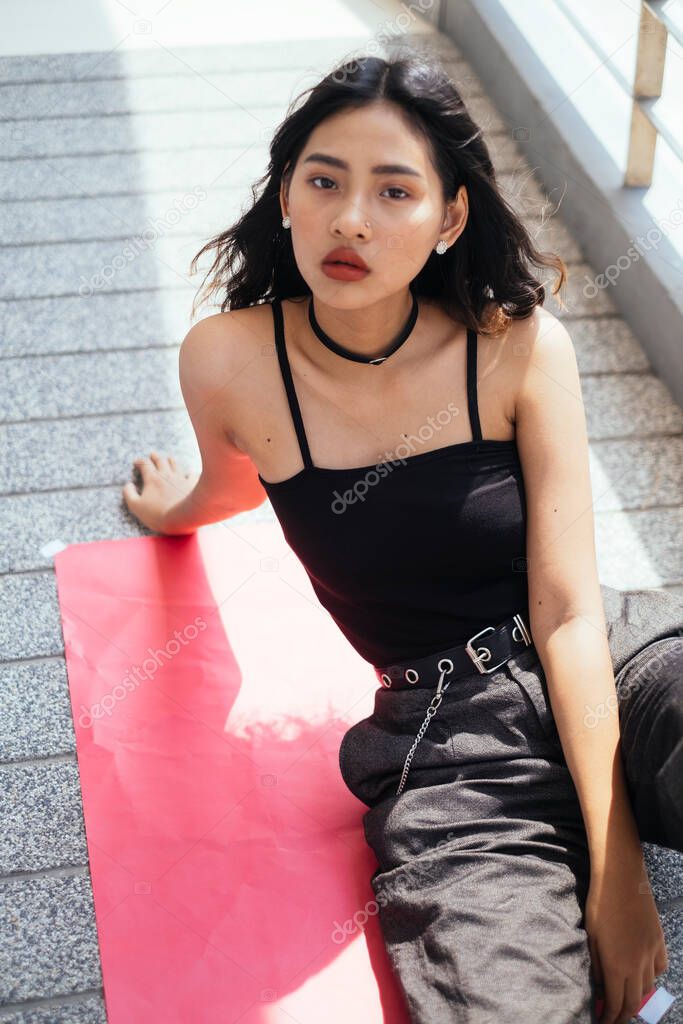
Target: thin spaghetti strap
(281, 349)
(472, 384)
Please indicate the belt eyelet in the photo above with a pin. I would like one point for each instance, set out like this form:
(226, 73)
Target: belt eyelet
(386, 681)
(412, 672)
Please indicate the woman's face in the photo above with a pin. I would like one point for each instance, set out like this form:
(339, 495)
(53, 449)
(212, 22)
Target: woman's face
(391, 218)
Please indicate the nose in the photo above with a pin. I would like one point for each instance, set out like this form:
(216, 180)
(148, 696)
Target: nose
(351, 221)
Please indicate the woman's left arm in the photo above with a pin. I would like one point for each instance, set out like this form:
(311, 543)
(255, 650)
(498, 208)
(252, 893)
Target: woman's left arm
(567, 623)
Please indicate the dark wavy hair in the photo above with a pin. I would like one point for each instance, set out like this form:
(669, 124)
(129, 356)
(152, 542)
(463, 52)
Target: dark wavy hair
(484, 279)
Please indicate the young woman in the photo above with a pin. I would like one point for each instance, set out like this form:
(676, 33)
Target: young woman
(419, 429)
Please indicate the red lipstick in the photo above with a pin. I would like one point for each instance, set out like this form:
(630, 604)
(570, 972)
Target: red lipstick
(345, 265)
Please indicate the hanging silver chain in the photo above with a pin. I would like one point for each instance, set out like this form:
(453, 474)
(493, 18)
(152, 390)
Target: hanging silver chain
(431, 711)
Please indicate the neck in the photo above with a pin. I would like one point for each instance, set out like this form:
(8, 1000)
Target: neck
(368, 331)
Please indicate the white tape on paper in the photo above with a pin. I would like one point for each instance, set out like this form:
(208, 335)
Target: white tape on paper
(654, 1009)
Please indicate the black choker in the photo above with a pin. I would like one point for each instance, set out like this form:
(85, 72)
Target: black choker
(341, 351)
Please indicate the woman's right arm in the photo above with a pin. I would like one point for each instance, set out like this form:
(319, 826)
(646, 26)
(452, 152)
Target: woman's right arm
(211, 357)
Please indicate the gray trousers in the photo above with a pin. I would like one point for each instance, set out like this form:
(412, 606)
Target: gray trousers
(483, 864)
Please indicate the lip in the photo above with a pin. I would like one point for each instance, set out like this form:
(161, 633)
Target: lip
(347, 256)
(344, 272)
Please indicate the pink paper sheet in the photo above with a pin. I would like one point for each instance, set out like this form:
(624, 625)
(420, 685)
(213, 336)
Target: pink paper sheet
(210, 692)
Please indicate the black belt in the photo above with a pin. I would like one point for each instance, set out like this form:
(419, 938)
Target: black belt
(501, 643)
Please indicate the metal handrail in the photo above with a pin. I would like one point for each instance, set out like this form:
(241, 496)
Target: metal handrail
(656, 24)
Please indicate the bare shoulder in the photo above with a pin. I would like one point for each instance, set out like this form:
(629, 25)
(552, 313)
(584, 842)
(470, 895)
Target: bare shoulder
(546, 355)
(219, 358)
(223, 341)
(529, 349)
(541, 328)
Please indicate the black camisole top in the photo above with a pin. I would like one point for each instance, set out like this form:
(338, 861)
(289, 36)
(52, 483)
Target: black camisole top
(413, 555)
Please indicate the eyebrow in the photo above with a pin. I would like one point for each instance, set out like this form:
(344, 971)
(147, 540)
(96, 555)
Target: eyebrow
(334, 161)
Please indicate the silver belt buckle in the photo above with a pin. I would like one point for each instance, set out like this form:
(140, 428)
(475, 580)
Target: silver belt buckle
(482, 654)
(521, 625)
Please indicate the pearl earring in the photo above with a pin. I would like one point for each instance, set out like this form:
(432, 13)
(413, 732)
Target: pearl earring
(441, 246)
(286, 222)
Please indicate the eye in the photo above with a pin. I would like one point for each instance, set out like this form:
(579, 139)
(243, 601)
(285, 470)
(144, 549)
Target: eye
(391, 188)
(396, 188)
(321, 177)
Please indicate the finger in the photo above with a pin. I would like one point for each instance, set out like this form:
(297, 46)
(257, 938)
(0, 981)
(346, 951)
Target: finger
(614, 998)
(633, 996)
(596, 966)
(661, 960)
(172, 462)
(162, 464)
(648, 986)
(146, 468)
(130, 493)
